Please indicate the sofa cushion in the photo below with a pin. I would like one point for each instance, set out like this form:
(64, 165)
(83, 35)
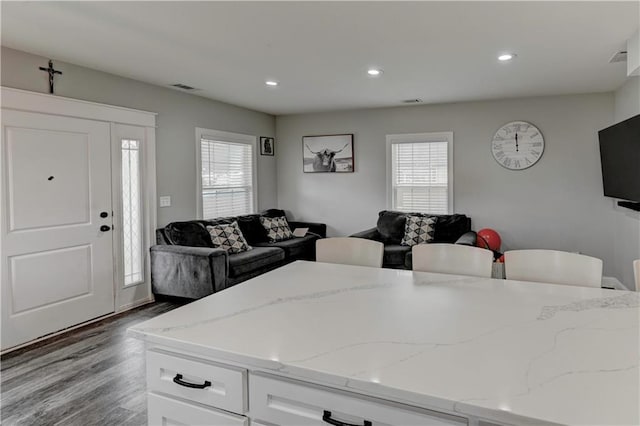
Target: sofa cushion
(418, 230)
(273, 213)
(394, 254)
(253, 260)
(451, 227)
(228, 237)
(295, 247)
(191, 233)
(277, 228)
(391, 226)
(252, 229)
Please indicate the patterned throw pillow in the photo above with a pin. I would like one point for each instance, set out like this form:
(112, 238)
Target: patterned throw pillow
(277, 228)
(228, 236)
(419, 230)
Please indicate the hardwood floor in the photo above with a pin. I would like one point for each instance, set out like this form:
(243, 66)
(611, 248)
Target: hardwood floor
(91, 376)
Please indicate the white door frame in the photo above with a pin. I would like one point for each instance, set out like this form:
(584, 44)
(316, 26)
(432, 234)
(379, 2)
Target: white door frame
(24, 100)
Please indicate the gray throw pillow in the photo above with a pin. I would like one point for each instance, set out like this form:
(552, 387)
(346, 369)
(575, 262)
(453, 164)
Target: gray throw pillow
(228, 237)
(419, 230)
(277, 228)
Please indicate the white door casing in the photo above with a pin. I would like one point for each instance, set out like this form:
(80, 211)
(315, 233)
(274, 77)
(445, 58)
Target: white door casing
(57, 265)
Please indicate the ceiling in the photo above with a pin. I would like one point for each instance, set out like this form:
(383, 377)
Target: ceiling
(320, 51)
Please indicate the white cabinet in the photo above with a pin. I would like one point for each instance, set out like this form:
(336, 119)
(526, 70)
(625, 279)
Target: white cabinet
(164, 411)
(188, 390)
(197, 380)
(292, 403)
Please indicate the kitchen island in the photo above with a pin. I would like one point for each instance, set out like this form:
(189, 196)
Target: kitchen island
(313, 344)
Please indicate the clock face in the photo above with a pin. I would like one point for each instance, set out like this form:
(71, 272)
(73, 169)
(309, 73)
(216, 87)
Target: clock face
(517, 145)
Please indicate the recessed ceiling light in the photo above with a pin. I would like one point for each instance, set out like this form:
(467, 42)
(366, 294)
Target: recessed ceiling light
(374, 71)
(506, 57)
(271, 83)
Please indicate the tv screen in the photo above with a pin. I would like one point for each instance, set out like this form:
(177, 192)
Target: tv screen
(620, 158)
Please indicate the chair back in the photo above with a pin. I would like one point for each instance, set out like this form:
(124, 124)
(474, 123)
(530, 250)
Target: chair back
(452, 259)
(555, 267)
(636, 273)
(350, 251)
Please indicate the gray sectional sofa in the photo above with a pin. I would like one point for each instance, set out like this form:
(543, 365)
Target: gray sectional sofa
(454, 228)
(184, 262)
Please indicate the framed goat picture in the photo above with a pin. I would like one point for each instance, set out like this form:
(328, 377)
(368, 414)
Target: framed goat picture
(328, 154)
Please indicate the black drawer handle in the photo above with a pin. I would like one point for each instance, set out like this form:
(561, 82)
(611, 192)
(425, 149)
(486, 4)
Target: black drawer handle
(326, 417)
(178, 380)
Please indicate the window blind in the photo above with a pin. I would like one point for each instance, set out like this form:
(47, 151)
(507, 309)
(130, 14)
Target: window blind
(420, 177)
(227, 178)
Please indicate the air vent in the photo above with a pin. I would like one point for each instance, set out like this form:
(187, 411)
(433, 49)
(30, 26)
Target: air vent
(412, 101)
(620, 56)
(183, 86)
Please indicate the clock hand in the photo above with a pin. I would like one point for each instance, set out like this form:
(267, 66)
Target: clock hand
(517, 143)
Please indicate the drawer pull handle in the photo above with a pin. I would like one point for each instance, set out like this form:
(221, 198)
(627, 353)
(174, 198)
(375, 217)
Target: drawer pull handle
(178, 380)
(326, 417)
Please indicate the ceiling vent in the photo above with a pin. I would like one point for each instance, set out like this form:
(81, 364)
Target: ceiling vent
(620, 56)
(412, 101)
(183, 86)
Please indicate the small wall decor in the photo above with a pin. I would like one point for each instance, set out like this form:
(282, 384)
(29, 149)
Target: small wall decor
(328, 154)
(267, 145)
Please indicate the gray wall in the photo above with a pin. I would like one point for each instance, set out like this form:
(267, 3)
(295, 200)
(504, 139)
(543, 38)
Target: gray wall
(627, 222)
(557, 204)
(178, 116)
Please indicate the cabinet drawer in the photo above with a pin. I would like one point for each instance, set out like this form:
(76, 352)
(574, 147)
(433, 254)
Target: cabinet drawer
(163, 411)
(220, 386)
(292, 403)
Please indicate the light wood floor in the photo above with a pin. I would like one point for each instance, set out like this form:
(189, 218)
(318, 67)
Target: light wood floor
(90, 376)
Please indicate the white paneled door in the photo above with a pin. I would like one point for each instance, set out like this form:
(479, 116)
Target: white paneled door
(57, 238)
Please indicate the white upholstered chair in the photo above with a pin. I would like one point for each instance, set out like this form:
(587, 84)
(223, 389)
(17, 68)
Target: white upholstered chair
(555, 267)
(452, 259)
(350, 251)
(636, 273)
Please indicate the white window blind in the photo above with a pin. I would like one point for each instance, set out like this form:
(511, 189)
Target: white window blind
(420, 176)
(227, 178)
(131, 212)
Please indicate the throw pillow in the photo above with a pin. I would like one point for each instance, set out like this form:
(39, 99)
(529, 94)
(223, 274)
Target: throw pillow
(228, 237)
(277, 228)
(419, 230)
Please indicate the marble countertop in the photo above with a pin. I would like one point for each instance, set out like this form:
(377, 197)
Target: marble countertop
(515, 352)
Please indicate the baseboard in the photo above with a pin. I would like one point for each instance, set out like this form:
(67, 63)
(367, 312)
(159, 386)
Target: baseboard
(57, 334)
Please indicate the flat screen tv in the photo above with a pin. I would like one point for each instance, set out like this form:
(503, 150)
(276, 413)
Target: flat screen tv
(620, 158)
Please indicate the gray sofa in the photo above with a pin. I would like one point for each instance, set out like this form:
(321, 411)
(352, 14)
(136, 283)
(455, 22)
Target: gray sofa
(455, 228)
(184, 262)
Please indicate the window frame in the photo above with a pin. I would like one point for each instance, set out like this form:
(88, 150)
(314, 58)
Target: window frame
(230, 137)
(421, 138)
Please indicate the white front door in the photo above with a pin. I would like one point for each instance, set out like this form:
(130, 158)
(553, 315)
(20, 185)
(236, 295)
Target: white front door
(57, 248)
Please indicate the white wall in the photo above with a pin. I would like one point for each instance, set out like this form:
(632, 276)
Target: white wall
(627, 222)
(557, 204)
(178, 116)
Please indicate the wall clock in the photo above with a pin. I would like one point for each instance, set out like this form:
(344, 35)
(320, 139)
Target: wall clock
(517, 145)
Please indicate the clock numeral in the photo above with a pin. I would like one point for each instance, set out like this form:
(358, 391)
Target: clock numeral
(507, 162)
(528, 162)
(517, 164)
(537, 144)
(534, 152)
(535, 134)
(500, 154)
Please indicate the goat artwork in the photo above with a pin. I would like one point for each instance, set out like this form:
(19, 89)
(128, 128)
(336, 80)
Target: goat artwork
(321, 156)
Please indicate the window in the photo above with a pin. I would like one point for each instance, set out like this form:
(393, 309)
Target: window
(420, 172)
(227, 173)
(131, 212)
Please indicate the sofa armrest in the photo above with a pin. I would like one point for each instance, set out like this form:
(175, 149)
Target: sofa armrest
(467, 239)
(191, 272)
(314, 228)
(369, 234)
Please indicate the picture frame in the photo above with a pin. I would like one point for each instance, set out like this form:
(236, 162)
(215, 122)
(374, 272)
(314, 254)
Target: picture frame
(267, 146)
(328, 154)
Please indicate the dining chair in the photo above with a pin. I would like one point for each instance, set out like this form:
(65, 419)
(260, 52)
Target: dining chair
(636, 273)
(554, 267)
(452, 259)
(350, 251)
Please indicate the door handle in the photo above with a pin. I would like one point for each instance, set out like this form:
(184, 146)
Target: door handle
(104, 215)
(105, 228)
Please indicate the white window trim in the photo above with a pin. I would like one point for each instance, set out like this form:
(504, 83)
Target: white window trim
(225, 137)
(416, 138)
